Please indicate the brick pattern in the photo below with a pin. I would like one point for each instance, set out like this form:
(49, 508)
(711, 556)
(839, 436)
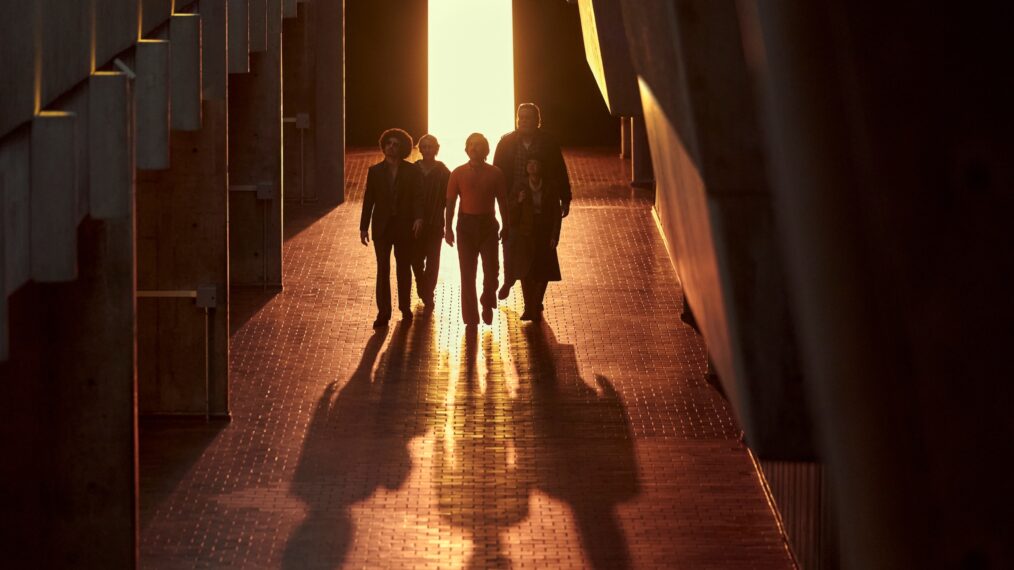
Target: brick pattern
(591, 440)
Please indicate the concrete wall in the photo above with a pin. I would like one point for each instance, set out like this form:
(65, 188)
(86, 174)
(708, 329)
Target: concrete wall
(893, 183)
(70, 373)
(608, 55)
(713, 203)
(327, 114)
(20, 30)
(255, 162)
(183, 245)
(299, 159)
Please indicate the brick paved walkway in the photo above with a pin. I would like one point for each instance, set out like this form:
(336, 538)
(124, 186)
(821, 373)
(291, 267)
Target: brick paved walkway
(589, 441)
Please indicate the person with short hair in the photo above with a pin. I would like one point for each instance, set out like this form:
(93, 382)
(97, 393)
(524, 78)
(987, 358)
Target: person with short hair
(391, 203)
(511, 157)
(479, 185)
(429, 236)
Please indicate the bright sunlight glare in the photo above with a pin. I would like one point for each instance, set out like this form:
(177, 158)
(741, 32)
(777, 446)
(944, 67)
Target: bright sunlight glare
(471, 73)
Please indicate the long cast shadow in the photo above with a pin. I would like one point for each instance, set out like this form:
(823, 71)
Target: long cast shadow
(357, 442)
(481, 488)
(582, 448)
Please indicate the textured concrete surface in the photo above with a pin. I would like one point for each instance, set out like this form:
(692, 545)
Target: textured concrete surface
(591, 440)
(255, 160)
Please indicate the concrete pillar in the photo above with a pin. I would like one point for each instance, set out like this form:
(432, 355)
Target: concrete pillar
(239, 36)
(70, 383)
(154, 13)
(297, 85)
(624, 137)
(214, 55)
(114, 35)
(255, 163)
(77, 102)
(185, 35)
(713, 201)
(72, 368)
(65, 42)
(20, 34)
(182, 245)
(111, 162)
(327, 33)
(893, 193)
(14, 228)
(259, 25)
(641, 173)
(152, 92)
(15, 169)
(4, 337)
(54, 215)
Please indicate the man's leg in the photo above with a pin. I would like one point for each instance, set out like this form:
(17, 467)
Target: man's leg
(528, 292)
(382, 247)
(433, 246)
(505, 291)
(490, 269)
(403, 269)
(468, 251)
(419, 265)
(539, 295)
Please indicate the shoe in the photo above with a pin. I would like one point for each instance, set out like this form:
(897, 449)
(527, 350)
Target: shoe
(428, 301)
(526, 316)
(380, 323)
(406, 316)
(537, 316)
(487, 315)
(505, 291)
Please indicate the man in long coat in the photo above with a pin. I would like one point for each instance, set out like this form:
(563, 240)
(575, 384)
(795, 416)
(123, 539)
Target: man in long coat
(511, 157)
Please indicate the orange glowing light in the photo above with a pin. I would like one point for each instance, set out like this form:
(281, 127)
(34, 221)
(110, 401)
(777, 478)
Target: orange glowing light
(471, 73)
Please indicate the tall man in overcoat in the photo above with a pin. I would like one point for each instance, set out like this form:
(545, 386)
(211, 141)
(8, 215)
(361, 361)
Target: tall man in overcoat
(511, 157)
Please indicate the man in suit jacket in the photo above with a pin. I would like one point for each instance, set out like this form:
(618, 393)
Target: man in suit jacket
(392, 203)
(511, 157)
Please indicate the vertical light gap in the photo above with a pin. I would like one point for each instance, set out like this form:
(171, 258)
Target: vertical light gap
(471, 73)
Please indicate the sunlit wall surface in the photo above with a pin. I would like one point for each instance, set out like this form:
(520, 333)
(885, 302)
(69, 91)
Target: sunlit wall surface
(471, 68)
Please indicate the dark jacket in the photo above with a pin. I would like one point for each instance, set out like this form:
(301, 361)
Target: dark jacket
(383, 200)
(543, 145)
(434, 198)
(531, 252)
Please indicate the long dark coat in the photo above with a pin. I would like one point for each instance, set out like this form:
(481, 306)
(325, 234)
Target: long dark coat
(532, 254)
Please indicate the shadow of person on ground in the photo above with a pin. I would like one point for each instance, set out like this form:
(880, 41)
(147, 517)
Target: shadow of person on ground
(357, 441)
(582, 448)
(480, 487)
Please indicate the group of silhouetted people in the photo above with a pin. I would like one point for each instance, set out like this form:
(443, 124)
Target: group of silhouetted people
(411, 207)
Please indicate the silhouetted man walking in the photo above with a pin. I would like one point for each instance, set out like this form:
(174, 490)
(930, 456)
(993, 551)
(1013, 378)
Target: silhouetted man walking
(391, 201)
(478, 184)
(511, 157)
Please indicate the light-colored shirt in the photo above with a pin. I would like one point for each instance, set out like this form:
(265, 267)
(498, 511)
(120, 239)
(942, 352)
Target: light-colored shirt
(478, 188)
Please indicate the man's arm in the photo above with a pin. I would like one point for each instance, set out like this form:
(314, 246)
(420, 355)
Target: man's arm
(452, 200)
(559, 171)
(369, 198)
(418, 200)
(500, 154)
(500, 191)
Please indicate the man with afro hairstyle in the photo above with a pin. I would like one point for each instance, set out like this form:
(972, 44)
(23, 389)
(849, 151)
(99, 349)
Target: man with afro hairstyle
(391, 202)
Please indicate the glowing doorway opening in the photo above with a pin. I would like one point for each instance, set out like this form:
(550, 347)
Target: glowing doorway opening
(471, 73)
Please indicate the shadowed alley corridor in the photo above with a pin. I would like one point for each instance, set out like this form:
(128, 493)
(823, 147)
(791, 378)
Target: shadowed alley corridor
(590, 440)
